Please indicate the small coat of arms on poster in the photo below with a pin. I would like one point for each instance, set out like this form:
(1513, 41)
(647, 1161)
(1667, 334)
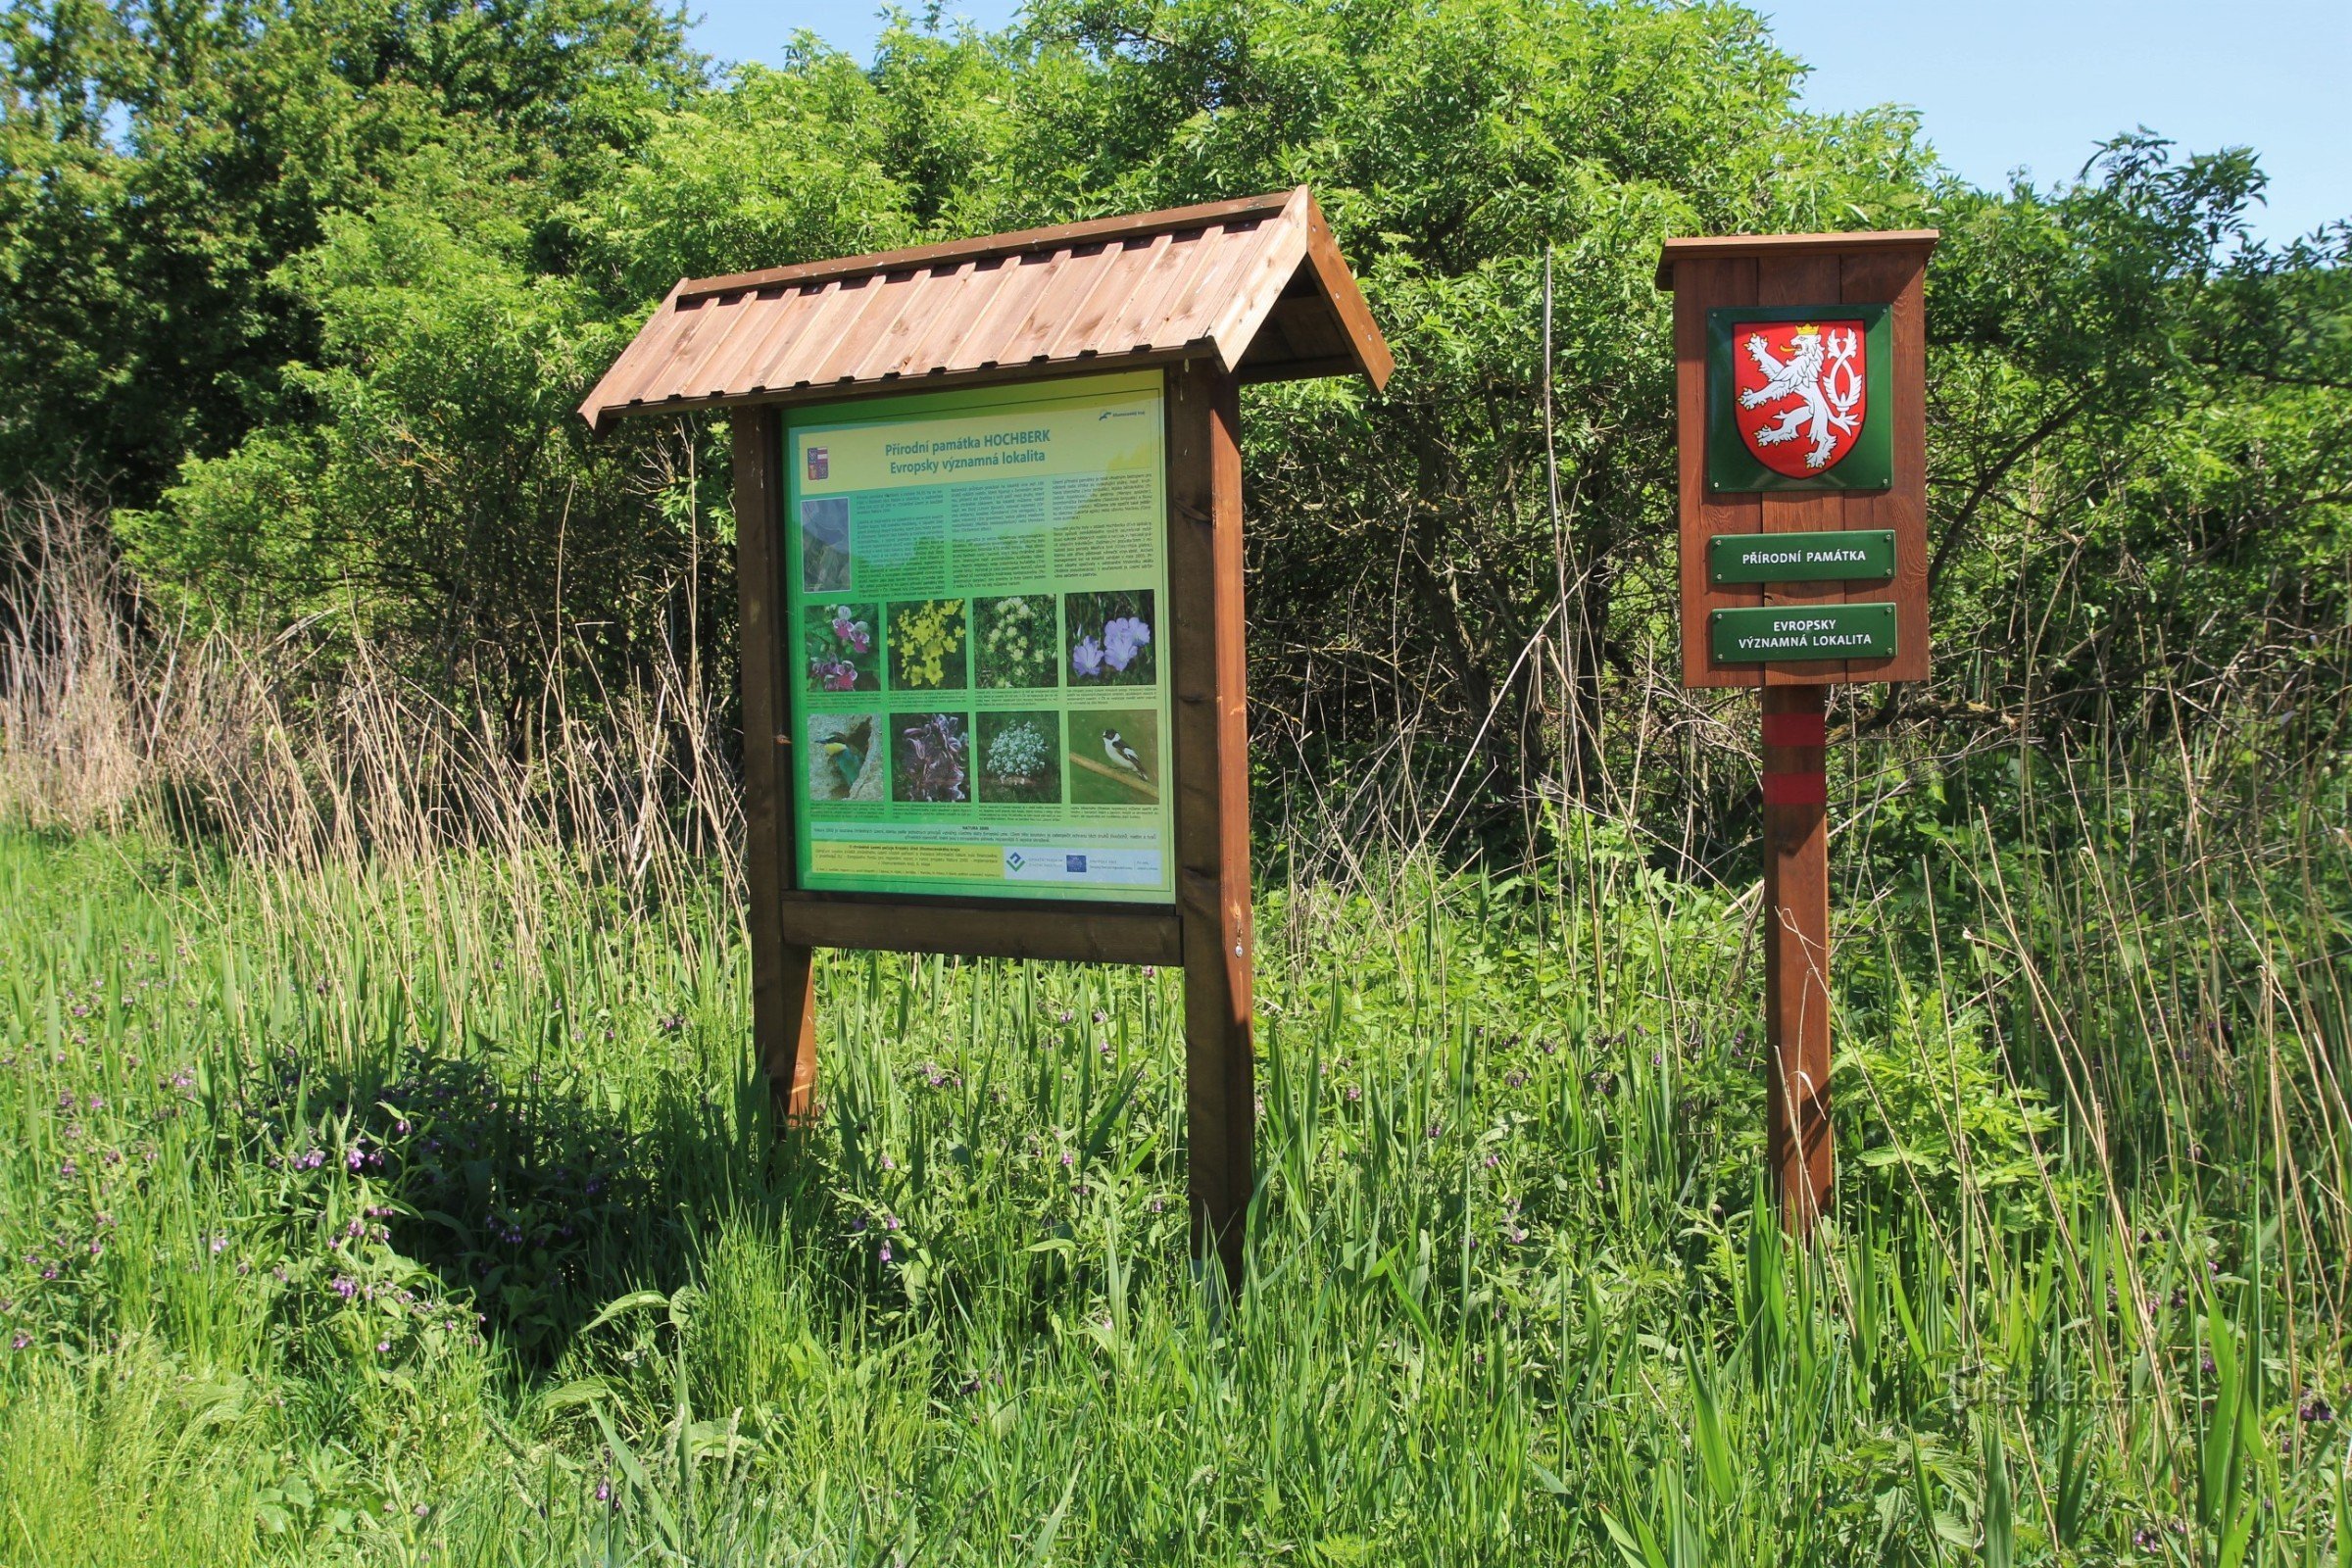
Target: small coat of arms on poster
(1797, 398)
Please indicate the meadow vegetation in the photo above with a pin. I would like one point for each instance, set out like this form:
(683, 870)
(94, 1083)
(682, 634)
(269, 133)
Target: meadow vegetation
(386, 1181)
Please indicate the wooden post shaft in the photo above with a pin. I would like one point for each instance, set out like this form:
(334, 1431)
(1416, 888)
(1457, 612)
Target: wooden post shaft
(1212, 804)
(1796, 950)
(783, 974)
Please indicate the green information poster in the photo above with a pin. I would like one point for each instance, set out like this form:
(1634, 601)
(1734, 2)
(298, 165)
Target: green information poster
(977, 591)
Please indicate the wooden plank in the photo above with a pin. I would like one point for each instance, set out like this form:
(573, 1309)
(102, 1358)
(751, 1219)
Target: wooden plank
(987, 928)
(1248, 296)
(786, 314)
(1896, 276)
(783, 979)
(1211, 766)
(1073, 277)
(963, 294)
(1704, 285)
(622, 379)
(1024, 285)
(1137, 321)
(1802, 276)
(1796, 959)
(681, 340)
(1052, 237)
(1364, 338)
(827, 358)
(931, 297)
(1714, 247)
(1122, 270)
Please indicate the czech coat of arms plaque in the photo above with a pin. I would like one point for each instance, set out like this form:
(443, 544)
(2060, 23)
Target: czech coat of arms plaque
(1796, 398)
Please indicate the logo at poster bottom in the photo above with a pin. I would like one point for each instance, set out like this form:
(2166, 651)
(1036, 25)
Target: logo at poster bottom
(1803, 392)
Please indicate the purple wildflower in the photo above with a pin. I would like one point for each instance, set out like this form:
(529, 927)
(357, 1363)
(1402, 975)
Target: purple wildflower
(1122, 639)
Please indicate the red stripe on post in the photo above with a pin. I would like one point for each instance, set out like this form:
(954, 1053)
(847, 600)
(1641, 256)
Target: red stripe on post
(1796, 729)
(1796, 789)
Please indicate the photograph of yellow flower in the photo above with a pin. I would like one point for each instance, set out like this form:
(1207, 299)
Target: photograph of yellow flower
(927, 645)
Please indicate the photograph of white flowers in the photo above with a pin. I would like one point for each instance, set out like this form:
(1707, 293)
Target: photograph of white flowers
(1110, 638)
(1020, 758)
(1014, 641)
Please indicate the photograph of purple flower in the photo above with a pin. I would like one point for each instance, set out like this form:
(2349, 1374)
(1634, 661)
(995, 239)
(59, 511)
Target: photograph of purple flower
(927, 758)
(1110, 638)
(841, 645)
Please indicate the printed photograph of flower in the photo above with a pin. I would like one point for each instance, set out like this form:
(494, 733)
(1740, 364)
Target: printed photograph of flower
(1014, 641)
(1020, 758)
(1114, 757)
(843, 762)
(926, 645)
(825, 545)
(927, 754)
(1110, 638)
(841, 644)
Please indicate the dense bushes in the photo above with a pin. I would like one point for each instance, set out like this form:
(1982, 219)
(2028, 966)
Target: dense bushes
(427, 253)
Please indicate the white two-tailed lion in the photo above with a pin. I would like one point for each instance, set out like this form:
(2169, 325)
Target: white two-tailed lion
(1818, 416)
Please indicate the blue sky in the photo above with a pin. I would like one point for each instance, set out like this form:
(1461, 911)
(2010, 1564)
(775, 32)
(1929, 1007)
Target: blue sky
(2001, 84)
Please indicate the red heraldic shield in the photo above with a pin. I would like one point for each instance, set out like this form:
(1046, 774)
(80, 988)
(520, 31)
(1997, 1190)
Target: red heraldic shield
(1801, 392)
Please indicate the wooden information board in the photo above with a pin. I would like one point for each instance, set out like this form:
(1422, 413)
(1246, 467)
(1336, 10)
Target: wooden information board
(987, 509)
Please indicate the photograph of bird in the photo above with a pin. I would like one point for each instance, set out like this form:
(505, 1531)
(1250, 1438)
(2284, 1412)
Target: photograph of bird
(1123, 755)
(847, 751)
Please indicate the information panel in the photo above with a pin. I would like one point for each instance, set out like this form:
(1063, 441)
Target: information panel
(977, 591)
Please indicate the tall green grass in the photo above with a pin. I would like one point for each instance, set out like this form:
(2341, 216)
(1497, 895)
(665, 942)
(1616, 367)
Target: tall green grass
(383, 1178)
(409, 1210)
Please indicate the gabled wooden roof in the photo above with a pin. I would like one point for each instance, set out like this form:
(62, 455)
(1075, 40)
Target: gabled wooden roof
(1257, 284)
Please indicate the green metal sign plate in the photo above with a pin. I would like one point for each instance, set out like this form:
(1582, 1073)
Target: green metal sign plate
(1778, 632)
(1860, 555)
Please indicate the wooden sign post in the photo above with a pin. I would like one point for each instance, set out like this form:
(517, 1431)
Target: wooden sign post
(1801, 410)
(987, 498)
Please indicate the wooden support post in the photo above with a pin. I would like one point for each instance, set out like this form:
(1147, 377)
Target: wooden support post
(783, 975)
(1796, 949)
(1213, 802)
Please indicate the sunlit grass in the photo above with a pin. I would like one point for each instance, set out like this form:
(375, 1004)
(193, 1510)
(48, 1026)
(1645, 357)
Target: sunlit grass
(422, 1215)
